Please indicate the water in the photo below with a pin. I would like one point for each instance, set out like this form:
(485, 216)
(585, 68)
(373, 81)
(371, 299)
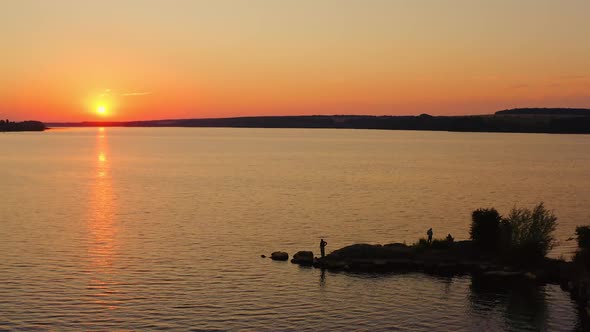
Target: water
(136, 229)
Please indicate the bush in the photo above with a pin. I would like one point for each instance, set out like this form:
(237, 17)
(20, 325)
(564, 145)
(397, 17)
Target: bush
(583, 235)
(505, 235)
(485, 229)
(531, 231)
(421, 244)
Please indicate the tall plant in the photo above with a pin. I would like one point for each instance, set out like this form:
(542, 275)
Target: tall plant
(531, 231)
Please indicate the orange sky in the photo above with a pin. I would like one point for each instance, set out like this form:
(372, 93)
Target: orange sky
(147, 59)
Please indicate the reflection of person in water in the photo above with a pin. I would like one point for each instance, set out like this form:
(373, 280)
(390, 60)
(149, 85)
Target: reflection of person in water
(323, 247)
(429, 233)
(323, 277)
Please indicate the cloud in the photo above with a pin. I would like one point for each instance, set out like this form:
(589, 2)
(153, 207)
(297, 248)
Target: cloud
(114, 93)
(134, 94)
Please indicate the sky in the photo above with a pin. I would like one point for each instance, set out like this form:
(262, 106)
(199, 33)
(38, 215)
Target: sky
(118, 60)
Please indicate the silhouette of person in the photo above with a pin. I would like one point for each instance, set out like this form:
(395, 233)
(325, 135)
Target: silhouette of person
(429, 233)
(323, 247)
(450, 238)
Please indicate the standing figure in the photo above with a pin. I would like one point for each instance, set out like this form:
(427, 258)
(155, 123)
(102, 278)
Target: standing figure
(323, 247)
(429, 233)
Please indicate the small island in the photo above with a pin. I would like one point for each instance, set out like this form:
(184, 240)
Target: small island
(6, 125)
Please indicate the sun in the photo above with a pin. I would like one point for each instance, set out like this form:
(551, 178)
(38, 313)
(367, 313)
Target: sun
(101, 110)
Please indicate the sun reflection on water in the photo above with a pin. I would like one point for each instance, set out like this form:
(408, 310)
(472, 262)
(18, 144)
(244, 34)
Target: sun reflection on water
(102, 229)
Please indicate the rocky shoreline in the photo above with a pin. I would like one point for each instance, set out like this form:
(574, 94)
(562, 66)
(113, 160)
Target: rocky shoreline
(458, 258)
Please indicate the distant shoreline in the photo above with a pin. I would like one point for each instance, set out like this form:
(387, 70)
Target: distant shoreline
(10, 126)
(529, 120)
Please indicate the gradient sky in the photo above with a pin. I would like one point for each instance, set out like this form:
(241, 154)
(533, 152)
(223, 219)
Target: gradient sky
(143, 59)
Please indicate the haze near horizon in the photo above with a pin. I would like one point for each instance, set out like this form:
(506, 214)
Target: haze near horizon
(140, 60)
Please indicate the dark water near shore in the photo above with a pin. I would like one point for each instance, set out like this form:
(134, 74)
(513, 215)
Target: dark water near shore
(163, 228)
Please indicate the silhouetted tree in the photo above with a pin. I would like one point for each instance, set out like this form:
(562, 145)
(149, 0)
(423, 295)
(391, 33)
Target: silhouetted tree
(485, 229)
(531, 231)
(582, 256)
(583, 237)
(21, 126)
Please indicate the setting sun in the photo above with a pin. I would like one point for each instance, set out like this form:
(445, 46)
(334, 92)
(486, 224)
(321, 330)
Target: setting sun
(101, 110)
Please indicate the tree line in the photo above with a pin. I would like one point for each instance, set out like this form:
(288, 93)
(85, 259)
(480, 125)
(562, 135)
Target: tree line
(7, 125)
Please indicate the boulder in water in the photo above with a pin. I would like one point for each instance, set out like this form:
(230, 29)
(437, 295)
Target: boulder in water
(279, 256)
(303, 258)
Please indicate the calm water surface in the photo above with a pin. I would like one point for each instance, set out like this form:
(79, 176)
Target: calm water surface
(136, 229)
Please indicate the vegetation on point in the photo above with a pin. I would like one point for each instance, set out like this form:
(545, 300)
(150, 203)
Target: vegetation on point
(582, 256)
(531, 231)
(583, 237)
(485, 229)
(524, 235)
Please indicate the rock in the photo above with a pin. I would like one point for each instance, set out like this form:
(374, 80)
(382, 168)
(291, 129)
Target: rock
(373, 251)
(396, 245)
(335, 265)
(330, 264)
(570, 286)
(509, 275)
(303, 258)
(502, 274)
(279, 256)
(563, 284)
(446, 268)
(262, 256)
(530, 276)
(483, 267)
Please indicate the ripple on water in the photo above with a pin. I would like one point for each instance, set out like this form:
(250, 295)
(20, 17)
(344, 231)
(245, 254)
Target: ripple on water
(141, 229)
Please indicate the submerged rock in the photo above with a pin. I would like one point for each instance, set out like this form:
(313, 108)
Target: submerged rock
(279, 256)
(303, 258)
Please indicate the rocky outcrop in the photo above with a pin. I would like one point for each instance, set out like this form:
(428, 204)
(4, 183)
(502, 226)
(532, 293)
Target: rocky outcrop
(373, 251)
(279, 256)
(303, 258)
(456, 258)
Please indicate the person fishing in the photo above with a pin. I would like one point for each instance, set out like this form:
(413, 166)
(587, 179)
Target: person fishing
(323, 247)
(429, 233)
(450, 238)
